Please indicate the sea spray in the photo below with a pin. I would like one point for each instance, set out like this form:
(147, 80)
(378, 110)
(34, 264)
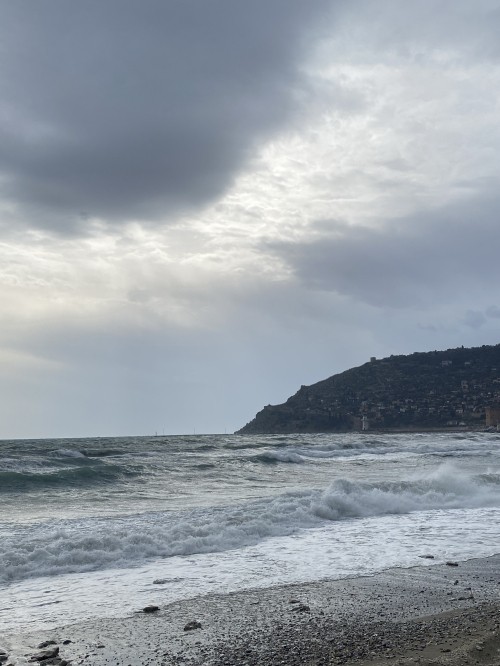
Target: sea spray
(54, 548)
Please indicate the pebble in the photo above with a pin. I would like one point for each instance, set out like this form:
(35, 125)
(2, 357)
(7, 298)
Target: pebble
(45, 655)
(301, 608)
(316, 641)
(191, 626)
(150, 609)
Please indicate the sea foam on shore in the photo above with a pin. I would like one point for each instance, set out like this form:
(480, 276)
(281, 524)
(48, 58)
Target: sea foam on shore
(427, 614)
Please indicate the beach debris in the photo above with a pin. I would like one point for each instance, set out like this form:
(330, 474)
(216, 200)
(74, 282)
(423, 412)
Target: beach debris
(427, 557)
(46, 654)
(194, 624)
(451, 564)
(160, 581)
(150, 609)
(45, 644)
(67, 641)
(4, 655)
(294, 601)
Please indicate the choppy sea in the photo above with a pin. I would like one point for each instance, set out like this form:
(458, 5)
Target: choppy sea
(102, 527)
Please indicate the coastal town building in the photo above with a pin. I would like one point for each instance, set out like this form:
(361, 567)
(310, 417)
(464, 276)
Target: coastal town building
(493, 416)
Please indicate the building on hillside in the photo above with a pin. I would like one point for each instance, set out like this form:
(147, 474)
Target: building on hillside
(493, 416)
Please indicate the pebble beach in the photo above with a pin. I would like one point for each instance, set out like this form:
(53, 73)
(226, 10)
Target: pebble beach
(441, 614)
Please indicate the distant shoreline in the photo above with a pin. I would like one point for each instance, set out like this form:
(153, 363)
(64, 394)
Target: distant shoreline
(424, 430)
(384, 431)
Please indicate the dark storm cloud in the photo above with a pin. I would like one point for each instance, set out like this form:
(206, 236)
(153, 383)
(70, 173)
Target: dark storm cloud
(448, 254)
(124, 109)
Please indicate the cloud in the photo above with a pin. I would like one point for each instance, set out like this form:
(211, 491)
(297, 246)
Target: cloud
(204, 205)
(474, 319)
(493, 311)
(124, 110)
(395, 31)
(430, 257)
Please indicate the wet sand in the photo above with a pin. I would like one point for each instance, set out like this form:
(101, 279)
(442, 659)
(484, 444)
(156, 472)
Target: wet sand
(437, 614)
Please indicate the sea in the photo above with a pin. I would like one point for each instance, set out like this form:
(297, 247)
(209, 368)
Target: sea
(102, 527)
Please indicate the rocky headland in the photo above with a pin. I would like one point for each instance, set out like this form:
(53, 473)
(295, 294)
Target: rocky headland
(456, 389)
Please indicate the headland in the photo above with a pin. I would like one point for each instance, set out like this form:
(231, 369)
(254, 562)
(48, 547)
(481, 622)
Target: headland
(452, 390)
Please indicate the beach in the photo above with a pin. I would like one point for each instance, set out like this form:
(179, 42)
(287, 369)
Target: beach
(441, 614)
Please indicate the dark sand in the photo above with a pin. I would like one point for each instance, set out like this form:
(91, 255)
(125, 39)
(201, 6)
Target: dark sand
(426, 615)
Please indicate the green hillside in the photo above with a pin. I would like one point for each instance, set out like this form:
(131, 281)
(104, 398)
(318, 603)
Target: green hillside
(439, 389)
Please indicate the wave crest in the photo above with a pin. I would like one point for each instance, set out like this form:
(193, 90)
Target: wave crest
(98, 543)
(22, 481)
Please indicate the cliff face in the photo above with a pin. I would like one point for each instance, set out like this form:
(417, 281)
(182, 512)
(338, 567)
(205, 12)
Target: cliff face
(440, 389)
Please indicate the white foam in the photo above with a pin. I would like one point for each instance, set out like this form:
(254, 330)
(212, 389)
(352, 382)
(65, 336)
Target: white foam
(100, 543)
(69, 453)
(286, 456)
(335, 550)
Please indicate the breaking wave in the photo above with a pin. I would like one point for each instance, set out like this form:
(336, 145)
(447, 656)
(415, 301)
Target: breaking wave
(273, 457)
(100, 543)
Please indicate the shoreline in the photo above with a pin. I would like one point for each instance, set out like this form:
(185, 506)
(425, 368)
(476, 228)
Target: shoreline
(382, 431)
(439, 614)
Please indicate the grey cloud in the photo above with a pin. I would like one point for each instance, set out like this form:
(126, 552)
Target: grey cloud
(474, 319)
(123, 109)
(493, 311)
(426, 259)
(394, 28)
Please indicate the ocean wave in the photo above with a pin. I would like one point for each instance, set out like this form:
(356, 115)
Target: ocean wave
(24, 481)
(273, 457)
(254, 443)
(69, 453)
(100, 543)
(445, 488)
(339, 447)
(102, 453)
(333, 450)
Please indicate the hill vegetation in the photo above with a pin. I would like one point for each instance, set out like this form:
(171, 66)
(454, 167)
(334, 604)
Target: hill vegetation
(449, 389)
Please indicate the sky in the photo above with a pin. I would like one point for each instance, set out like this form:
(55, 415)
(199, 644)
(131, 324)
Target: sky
(205, 205)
